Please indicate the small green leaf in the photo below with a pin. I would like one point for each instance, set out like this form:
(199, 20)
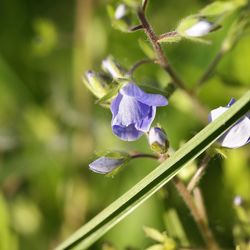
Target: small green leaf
(146, 48)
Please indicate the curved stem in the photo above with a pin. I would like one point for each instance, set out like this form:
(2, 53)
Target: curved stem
(210, 69)
(138, 64)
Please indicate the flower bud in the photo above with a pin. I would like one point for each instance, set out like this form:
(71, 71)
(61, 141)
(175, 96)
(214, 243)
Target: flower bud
(201, 28)
(96, 83)
(109, 162)
(121, 11)
(158, 140)
(110, 66)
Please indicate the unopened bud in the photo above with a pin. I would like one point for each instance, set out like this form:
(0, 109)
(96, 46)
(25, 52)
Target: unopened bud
(201, 28)
(158, 140)
(109, 162)
(96, 83)
(110, 66)
(121, 11)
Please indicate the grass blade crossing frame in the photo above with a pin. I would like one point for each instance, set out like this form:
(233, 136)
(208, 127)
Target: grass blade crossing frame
(124, 205)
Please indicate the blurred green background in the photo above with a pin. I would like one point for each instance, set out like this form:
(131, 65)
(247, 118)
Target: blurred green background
(50, 127)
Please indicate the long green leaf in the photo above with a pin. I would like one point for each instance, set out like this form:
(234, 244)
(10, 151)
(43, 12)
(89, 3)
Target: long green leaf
(124, 205)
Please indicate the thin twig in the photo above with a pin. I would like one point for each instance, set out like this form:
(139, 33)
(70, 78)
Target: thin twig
(136, 27)
(144, 5)
(210, 69)
(138, 64)
(201, 223)
(199, 173)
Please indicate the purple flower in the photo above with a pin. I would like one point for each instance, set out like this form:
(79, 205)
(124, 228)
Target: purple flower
(133, 111)
(239, 134)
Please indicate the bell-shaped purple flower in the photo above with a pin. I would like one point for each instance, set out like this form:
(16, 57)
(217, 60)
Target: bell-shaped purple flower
(239, 134)
(133, 111)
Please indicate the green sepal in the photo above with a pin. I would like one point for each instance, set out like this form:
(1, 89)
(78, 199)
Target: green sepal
(165, 38)
(187, 23)
(125, 157)
(112, 93)
(97, 83)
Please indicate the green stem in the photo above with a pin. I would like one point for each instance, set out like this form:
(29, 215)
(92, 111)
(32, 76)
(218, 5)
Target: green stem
(138, 64)
(210, 69)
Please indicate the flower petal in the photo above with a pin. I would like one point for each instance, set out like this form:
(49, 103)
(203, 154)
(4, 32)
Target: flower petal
(127, 133)
(215, 113)
(201, 28)
(132, 90)
(147, 121)
(114, 107)
(104, 165)
(238, 135)
(130, 111)
(232, 101)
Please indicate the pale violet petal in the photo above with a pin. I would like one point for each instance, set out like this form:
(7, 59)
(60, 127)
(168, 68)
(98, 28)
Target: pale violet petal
(132, 90)
(215, 113)
(238, 135)
(104, 165)
(127, 133)
(145, 124)
(114, 107)
(130, 111)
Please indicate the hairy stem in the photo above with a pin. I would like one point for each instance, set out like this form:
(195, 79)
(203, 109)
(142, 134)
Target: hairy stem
(199, 173)
(164, 63)
(198, 217)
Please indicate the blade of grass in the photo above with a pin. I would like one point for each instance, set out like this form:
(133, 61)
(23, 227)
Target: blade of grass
(124, 205)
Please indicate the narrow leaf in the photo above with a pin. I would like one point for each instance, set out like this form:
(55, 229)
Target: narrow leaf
(123, 206)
